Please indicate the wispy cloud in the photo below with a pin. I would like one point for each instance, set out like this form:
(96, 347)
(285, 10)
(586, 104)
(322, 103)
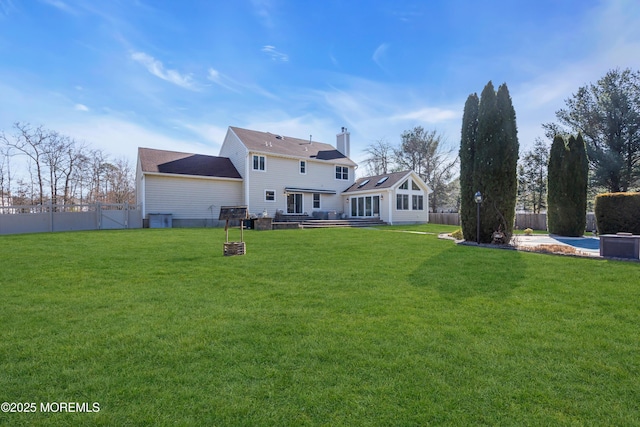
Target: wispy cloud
(114, 135)
(60, 5)
(206, 132)
(6, 6)
(379, 53)
(81, 107)
(156, 68)
(428, 115)
(262, 9)
(222, 80)
(275, 54)
(232, 85)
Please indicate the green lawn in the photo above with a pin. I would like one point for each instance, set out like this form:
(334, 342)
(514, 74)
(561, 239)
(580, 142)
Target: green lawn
(314, 327)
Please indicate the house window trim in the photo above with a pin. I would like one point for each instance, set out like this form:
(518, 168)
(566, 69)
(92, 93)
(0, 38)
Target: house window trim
(417, 200)
(400, 206)
(365, 206)
(302, 167)
(313, 201)
(343, 170)
(301, 206)
(274, 196)
(414, 193)
(253, 163)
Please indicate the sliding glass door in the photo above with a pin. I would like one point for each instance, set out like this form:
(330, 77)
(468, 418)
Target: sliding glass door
(365, 206)
(294, 203)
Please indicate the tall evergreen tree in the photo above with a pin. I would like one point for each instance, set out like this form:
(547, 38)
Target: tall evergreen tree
(495, 163)
(506, 177)
(576, 180)
(555, 189)
(467, 155)
(485, 158)
(568, 176)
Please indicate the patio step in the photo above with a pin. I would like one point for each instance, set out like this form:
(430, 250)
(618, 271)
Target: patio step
(332, 223)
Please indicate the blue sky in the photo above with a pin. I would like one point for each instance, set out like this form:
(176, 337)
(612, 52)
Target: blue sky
(168, 74)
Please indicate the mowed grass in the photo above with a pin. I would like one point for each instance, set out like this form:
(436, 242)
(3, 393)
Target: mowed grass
(314, 327)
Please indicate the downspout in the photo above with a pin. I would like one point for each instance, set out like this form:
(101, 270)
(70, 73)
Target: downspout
(142, 195)
(390, 198)
(247, 165)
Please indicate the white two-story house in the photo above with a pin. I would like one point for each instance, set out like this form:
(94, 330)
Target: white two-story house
(291, 175)
(276, 174)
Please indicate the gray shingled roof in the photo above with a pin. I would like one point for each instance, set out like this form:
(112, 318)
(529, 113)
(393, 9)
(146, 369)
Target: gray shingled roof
(269, 143)
(392, 179)
(172, 162)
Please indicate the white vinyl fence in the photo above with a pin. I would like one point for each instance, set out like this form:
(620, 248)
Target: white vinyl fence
(48, 218)
(523, 220)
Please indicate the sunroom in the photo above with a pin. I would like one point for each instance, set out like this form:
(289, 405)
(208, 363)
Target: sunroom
(397, 197)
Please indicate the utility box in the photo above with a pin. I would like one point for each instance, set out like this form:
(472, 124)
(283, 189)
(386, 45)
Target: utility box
(621, 245)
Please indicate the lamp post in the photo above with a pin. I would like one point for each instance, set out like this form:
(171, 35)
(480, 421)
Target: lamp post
(478, 199)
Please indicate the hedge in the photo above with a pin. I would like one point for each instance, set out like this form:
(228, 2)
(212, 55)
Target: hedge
(618, 213)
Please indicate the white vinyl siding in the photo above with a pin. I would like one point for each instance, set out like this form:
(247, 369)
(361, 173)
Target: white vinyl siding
(284, 172)
(235, 150)
(190, 198)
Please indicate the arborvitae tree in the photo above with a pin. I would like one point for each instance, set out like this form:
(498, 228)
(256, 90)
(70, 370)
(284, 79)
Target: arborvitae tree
(567, 182)
(577, 178)
(506, 175)
(494, 166)
(486, 158)
(555, 188)
(467, 154)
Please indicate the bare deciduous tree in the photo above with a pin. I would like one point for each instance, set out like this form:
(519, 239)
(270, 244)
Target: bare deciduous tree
(31, 142)
(380, 157)
(67, 168)
(423, 152)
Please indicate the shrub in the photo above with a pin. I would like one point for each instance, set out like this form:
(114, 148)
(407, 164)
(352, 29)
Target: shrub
(457, 234)
(528, 232)
(618, 213)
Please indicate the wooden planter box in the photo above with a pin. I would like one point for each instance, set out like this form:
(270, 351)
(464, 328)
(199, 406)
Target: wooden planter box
(234, 248)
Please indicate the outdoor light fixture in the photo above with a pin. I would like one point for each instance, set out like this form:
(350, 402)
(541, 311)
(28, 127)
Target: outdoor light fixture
(478, 199)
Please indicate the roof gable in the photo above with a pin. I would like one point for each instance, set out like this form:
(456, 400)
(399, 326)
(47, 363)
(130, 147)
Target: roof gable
(268, 143)
(377, 182)
(383, 181)
(173, 162)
